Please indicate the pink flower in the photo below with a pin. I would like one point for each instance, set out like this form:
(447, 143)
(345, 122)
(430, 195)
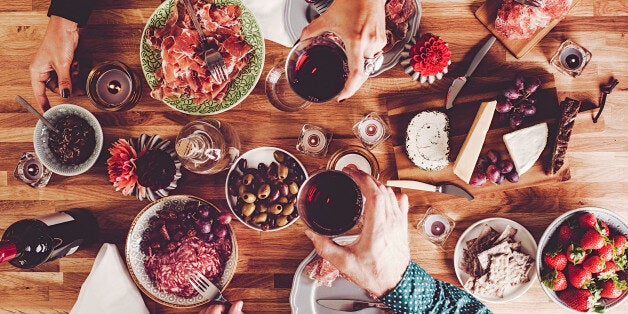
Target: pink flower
(121, 166)
(430, 55)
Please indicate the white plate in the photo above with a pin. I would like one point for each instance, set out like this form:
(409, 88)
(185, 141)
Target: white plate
(528, 246)
(304, 293)
(295, 18)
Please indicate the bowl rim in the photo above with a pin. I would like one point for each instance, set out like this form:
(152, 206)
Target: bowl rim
(234, 167)
(547, 235)
(98, 138)
(234, 252)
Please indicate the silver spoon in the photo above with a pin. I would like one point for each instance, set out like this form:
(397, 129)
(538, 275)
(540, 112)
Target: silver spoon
(34, 111)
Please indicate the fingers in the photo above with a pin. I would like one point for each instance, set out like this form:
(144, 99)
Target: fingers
(357, 76)
(328, 249)
(39, 87)
(213, 309)
(65, 80)
(404, 203)
(236, 307)
(313, 29)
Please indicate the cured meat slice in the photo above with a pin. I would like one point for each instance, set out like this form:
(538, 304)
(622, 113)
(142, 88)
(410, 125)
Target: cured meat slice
(519, 21)
(398, 13)
(322, 272)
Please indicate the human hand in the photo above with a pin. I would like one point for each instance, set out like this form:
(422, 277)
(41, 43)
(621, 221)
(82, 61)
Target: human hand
(220, 308)
(55, 54)
(377, 260)
(361, 24)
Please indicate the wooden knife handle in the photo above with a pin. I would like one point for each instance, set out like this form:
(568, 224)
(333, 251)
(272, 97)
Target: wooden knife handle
(410, 184)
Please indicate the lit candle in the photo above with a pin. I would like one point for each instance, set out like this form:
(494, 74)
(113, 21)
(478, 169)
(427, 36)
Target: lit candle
(114, 86)
(314, 141)
(371, 130)
(32, 170)
(354, 159)
(435, 225)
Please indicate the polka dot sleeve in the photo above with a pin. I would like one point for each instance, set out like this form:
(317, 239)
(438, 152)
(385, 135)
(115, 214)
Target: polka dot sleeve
(418, 292)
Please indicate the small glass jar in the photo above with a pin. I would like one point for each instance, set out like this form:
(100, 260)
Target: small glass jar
(314, 141)
(362, 158)
(436, 226)
(113, 86)
(31, 171)
(372, 130)
(570, 58)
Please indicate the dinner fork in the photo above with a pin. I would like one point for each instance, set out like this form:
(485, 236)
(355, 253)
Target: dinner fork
(213, 59)
(206, 288)
(534, 3)
(320, 6)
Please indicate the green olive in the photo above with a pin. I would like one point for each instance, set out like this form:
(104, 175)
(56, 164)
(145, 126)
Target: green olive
(260, 218)
(275, 208)
(263, 191)
(294, 188)
(248, 209)
(249, 198)
(288, 209)
(263, 207)
(247, 179)
(241, 190)
(282, 171)
(283, 200)
(282, 221)
(279, 156)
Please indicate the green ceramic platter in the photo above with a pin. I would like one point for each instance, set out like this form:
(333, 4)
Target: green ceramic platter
(240, 87)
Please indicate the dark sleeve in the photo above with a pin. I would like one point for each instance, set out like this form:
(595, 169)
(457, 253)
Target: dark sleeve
(418, 292)
(74, 10)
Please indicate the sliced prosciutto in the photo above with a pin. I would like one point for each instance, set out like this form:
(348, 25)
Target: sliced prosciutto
(183, 72)
(519, 21)
(322, 272)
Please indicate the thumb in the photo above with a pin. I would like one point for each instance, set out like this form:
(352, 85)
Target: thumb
(65, 81)
(236, 307)
(328, 249)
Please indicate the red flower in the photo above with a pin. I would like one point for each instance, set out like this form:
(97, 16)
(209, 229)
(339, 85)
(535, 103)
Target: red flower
(430, 55)
(121, 166)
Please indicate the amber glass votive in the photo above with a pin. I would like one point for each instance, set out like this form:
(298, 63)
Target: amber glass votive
(113, 86)
(359, 156)
(436, 226)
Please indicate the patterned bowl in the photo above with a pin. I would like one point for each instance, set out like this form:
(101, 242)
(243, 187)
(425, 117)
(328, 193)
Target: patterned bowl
(42, 135)
(135, 257)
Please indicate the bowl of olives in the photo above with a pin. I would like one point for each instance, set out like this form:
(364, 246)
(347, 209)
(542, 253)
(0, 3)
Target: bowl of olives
(262, 187)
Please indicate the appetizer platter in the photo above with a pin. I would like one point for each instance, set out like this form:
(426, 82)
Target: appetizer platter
(171, 55)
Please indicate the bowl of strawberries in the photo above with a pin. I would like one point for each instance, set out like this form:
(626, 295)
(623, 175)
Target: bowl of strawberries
(584, 260)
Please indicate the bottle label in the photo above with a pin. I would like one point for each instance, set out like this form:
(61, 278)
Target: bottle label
(64, 249)
(56, 219)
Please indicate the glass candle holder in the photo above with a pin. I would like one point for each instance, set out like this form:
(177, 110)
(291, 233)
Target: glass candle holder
(372, 130)
(362, 158)
(570, 58)
(436, 226)
(314, 141)
(31, 171)
(113, 86)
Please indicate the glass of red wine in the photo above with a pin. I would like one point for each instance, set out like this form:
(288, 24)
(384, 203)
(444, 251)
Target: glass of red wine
(315, 71)
(330, 202)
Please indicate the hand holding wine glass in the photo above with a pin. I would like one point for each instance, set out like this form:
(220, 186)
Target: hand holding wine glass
(377, 260)
(361, 24)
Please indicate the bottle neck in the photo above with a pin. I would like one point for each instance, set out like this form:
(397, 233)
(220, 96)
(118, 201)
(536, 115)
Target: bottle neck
(8, 251)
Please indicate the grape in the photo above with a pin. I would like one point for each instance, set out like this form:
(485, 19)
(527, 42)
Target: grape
(482, 163)
(493, 156)
(492, 173)
(204, 226)
(203, 212)
(532, 85)
(512, 93)
(515, 120)
(500, 180)
(528, 110)
(477, 179)
(220, 231)
(505, 166)
(224, 218)
(520, 82)
(503, 105)
(207, 237)
(513, 176)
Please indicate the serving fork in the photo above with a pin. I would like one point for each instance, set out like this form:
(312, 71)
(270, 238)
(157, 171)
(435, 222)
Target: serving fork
(534, 3)
(320, 6)
(213, 59)
(206, 288)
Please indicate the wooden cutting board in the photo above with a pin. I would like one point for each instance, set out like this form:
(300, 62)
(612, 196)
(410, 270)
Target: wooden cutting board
(518, 47)
(461, 117)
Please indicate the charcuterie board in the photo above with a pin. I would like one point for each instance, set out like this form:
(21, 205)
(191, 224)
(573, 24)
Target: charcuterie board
(518, 47)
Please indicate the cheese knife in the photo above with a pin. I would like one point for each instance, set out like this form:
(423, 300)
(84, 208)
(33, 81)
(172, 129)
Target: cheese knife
(458, 83)
(447, 188)
(347, 305)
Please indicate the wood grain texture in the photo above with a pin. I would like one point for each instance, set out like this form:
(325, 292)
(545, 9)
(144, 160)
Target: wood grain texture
(597, 156)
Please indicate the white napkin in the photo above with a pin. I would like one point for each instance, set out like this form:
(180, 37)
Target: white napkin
(270, 16)
(109, 287)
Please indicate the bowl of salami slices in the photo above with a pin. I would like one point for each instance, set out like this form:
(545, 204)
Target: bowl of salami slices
(582, 260)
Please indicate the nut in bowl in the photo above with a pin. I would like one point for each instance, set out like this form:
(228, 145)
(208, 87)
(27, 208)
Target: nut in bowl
(173, 238)
(583, 254)
(262, 187)
(76, 147)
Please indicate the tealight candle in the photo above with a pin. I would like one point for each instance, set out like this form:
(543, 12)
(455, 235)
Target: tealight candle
(371, 130)
(31, 171)
(313, 141)
(362, 158)
(436, 226)
(114, 86)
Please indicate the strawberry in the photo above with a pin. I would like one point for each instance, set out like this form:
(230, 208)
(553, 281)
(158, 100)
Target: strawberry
(578, 276)
(611, 267)
(606, 252)
(565, 234)
(587, 220)
(575, 254)
(594, 264)
(619, 241)
(613, 288)
(556, 260)
(555, 280)
(592, 240)
(602, 228)
(577, 299)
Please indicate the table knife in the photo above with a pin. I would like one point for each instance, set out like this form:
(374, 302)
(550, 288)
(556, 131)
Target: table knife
(457, 84)
(447, 188)
(347, 305)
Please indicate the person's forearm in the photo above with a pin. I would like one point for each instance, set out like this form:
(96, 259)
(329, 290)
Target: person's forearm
(418, 292)
(74, 10)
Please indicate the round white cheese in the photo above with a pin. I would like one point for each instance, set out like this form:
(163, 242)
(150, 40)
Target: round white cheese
(427, 140)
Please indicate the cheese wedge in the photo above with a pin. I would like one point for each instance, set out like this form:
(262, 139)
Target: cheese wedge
(526, 145)
(468, 156)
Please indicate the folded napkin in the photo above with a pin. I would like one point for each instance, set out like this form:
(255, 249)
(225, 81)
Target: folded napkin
(109, 287)
(270, 16)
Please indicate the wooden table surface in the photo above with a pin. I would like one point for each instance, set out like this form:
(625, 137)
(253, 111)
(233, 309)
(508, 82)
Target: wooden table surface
(598, 153)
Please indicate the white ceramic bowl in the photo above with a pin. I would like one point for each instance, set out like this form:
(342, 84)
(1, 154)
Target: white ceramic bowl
(253, 158)
(614, 221)
(42, 134)
(528, 246)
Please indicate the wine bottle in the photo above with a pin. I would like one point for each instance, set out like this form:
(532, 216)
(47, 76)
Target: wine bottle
(32, 242)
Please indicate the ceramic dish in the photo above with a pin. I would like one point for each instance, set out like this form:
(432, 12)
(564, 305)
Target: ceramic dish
(253, 158)
(240, 87)
(296, 18)
(42, 135)
(614, 221)
(304, 292)
(135, 257)
(528, 246)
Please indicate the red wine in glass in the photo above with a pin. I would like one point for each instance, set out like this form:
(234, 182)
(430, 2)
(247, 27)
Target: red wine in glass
(317, 69)
(330, 203)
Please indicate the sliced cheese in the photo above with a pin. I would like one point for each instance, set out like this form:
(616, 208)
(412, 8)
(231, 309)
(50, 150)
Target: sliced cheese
(470, 151)
(526, 145)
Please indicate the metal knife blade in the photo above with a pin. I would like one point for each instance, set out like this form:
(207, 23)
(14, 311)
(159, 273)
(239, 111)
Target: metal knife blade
(346, 305)
(447, 188)
(457, 84)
